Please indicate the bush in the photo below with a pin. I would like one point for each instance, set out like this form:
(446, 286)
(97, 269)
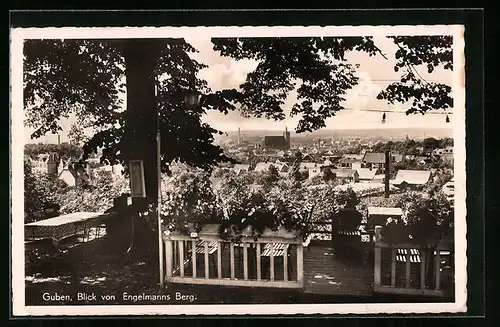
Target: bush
(39, 194)
(97, 197)
(395, 231)
(348, 219)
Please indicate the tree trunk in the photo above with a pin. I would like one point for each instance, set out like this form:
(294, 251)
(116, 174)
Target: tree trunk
(140, 136)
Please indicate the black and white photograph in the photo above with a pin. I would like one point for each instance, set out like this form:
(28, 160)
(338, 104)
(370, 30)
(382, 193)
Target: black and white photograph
(238, 170)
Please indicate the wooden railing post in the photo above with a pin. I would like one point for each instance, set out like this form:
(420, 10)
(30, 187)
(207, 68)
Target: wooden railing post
(422, 267)
(207, 268)
(181, 258)
(285, 264)
(193, 257)
(377, 258)
(245, 261)
(437, 266)
(271, 262)
(219, 260)
(393, 267)
(257, 256)
(168, 257)
(408, 268)
(300, 264)
(231, 255)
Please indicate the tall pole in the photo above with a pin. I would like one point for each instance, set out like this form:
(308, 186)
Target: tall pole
(158, 212)
(387, 172)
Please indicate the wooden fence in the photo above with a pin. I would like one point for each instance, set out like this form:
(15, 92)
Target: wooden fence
(412, 269)
(273, 260)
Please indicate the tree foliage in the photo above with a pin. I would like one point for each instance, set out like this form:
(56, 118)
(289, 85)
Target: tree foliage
(39, 194)
(347, 198)
(42, 192)
(77, 136)
(95, 197)
(317, 66)
(422, 95)
(87, 77)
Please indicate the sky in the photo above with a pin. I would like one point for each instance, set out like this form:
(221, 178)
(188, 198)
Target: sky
(375, 74)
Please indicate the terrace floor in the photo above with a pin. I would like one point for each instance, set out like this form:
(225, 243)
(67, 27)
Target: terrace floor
(330, 273)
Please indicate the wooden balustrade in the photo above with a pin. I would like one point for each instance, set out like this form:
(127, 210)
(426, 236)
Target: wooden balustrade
(414, 269)
(274, 260)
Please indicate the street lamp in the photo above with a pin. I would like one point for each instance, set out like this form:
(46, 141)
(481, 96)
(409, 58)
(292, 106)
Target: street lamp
(192, 99)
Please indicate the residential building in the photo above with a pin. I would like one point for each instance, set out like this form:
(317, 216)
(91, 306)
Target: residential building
(262, 166)
(413, 179)
(313, 172)
(366, 174)
(241, 168)
(376, 160)
(346, 176)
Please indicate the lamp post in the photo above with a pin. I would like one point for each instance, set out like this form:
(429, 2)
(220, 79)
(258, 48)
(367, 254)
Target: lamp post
(191, 99)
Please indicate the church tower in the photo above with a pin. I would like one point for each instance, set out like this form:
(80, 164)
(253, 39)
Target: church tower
(286, 135)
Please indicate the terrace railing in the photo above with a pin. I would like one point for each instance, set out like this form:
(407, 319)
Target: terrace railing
(275, 259)
(412, 269)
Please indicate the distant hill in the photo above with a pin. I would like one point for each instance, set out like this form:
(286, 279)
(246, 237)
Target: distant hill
(398, 133)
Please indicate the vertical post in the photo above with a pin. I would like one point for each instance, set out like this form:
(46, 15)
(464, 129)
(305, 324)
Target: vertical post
(393, 267)
(437, 266)
(231, 257)
(207, 269)
(181, 258)
(285, 263)
(219, 260)
(422, 267)
(193, 257)
(158, 204)
(257, 257)
(387, 172)
(271, 262)
(378, 258)
(174, 257)
(408, 268)
(300, 263)
(168, 261)
(245, 261)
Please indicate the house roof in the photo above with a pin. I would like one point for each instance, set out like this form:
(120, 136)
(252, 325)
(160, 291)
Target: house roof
(353, 156)
(344, 172)
(374, 157)
(379, 157)
(385, 211)
(262, 166)
(348, 160)
(281, 166)
(239, 167)
(413, 177)
(366, 173)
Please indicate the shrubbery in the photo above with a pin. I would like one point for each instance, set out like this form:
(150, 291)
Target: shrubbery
(42, 192)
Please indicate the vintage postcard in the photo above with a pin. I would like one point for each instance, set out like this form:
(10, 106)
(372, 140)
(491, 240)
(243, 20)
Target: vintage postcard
(238, 170)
